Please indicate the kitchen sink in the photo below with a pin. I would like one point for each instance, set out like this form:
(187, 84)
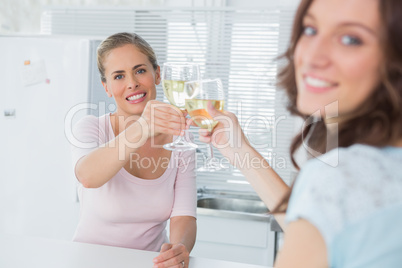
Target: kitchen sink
(233, 204)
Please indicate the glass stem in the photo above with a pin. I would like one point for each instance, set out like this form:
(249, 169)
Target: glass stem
(210, 152)
(180, 139)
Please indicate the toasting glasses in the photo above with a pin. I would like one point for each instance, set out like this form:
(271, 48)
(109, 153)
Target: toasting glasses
(174, 75)
(199, 94)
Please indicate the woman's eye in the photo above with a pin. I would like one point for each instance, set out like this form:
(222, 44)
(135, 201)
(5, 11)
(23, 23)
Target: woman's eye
(140, 71)
(350, 40)
(309, 31)
(117, 77)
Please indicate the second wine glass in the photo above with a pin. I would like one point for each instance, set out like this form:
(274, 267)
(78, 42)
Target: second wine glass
(174, 75)
(200, 93)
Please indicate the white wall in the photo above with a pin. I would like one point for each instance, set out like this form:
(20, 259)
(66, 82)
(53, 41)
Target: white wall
(23, 16)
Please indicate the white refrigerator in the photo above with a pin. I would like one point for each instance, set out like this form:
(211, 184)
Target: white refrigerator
(46, 83)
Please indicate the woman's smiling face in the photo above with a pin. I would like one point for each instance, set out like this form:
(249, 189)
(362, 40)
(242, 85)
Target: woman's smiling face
(130, 79)
(338, 56)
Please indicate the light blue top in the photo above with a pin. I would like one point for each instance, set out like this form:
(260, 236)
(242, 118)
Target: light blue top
(356, 205)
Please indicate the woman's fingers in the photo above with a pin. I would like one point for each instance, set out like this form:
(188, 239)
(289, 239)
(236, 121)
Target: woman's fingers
(172, 256)
(167, 129)
(204, 132)
(164, 118)
(166, 247)
(173, 126)
(190, 122)
(170, 119)
(205, 139)
(168, 114)
(211, 109)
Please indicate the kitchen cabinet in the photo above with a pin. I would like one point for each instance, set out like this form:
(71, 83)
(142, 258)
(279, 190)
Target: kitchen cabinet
(234, 239)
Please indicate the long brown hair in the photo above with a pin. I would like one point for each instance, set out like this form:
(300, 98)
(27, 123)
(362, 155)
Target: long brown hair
(378, 121)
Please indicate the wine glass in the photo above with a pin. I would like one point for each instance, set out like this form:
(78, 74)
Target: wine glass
(199, 93)
(174, 75)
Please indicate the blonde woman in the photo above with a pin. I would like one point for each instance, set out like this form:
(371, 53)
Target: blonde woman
(129, 185)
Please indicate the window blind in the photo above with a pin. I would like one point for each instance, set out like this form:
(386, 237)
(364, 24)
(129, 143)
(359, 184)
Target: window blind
(237, 45)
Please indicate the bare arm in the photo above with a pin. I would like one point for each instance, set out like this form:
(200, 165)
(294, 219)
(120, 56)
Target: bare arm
(232, 143)
(183, 231)
(303, 246)
(98, 167)
(265, 181)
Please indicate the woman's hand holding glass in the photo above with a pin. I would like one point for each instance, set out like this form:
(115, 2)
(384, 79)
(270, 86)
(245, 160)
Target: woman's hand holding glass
(159, 117)
(174, 75)
(227, 136)
(198, 94)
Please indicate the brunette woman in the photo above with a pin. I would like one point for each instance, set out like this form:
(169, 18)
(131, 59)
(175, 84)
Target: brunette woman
(344, 70)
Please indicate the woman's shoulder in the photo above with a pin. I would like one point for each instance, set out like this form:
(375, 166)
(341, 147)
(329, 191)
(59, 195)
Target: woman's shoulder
(365, 180)
(89, 118)
(354, 161)
(91, 121)
(343, 171)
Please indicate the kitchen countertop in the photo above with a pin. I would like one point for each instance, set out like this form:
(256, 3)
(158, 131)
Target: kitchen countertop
(33, 252)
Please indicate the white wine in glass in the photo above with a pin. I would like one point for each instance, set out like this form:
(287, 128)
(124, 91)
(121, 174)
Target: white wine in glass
(197, 109)
(174, 75)
(173, 90)
(200, 93)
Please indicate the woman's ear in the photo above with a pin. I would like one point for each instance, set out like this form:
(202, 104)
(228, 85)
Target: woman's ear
(109, 94)
(158, 75)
